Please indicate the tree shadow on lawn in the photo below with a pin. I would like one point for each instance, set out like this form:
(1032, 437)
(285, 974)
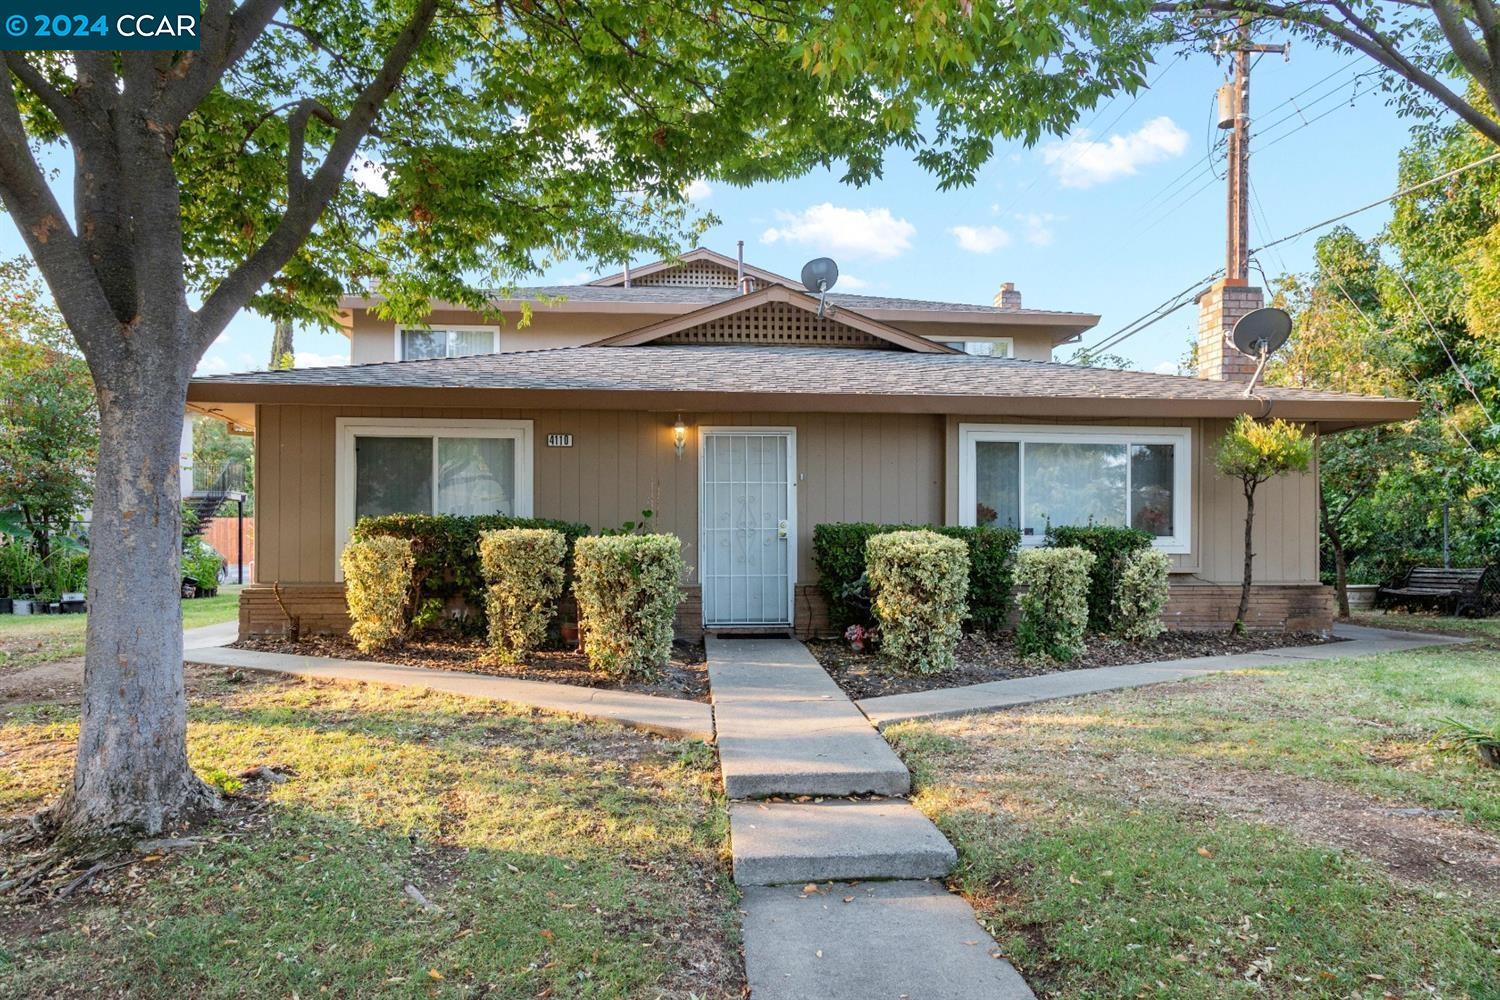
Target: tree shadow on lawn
(578, 859)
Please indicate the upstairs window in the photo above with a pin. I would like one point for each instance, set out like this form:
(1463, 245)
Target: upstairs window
(1000, 347)
(413, 344)
(1031, 476)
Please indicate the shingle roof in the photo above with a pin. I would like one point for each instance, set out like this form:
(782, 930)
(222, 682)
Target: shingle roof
(763, 370)
(680, 295)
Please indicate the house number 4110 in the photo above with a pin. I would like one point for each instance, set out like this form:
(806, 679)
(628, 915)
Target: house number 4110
(559, 440)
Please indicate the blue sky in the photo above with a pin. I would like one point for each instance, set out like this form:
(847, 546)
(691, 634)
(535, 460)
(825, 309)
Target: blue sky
(1112, 220)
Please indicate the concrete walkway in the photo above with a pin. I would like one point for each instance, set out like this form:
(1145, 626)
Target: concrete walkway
(946, 702)
(786, 730)
(674, 717)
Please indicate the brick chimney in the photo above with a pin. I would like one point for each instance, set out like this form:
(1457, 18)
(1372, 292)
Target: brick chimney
(1008, 297)
(1219, 308)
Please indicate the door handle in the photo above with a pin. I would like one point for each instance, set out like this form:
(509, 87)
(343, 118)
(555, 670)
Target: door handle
(780, 529)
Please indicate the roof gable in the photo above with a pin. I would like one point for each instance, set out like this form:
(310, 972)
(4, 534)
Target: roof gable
(698, 268)
(775, 316)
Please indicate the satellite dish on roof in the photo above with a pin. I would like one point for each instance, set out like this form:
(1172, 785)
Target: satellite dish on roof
(1259, 333)
(819, 275)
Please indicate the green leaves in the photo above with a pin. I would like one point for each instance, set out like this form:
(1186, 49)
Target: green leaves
(1253, 451)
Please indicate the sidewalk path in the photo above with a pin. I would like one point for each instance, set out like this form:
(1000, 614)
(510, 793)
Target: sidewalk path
(786, 731)
(944, 702)
(674, 717)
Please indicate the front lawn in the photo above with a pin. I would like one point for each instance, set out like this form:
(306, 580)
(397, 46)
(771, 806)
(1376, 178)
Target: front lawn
(564, 859)
(1478, 628)
(1284, 831)
(28, 640)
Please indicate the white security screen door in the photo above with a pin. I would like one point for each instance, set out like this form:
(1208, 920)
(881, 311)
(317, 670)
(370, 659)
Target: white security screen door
(746, 523)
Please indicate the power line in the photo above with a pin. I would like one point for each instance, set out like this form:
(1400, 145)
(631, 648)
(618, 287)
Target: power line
(1376, 204)
(1153, 316)
(1452, 361)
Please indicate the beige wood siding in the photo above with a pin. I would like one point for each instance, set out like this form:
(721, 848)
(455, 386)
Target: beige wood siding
(876, 467)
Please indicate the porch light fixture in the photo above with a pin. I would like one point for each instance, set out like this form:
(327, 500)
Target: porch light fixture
(679, 435)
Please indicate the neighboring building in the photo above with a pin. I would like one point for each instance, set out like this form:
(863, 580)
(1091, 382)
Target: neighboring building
(714, 394)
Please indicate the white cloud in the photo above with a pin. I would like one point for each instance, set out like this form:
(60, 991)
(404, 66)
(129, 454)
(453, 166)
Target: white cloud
(849, 283)
(1081, 162)
(214, 364)
(311, 359)
(854, 232)
(370, 175)
(1037, 227)
(698, 190)
(1165, 368)
(980, 239)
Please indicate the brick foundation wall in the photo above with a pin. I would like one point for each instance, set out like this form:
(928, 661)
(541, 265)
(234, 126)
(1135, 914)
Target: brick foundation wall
(320, 606)
(1296, 607)
(1192, 605)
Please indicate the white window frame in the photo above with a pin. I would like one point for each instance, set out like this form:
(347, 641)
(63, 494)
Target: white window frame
(494, 332)
(1007, 343)
(350, 428)
(1181, 438)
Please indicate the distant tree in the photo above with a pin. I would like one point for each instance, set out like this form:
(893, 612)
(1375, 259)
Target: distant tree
(49, 423)
(283, 354)
(1254, 452)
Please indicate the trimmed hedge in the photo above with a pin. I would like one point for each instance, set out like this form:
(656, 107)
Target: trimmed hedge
(524, 570)
(1054, 605)
(1143, 594)
(1111, 547)
(446, 550)
(920, 581)
(839, 554)
(377, 584)
(627, 587)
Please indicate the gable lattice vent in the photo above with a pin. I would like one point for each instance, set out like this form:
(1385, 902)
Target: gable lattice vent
(781, 324)
(694, 274)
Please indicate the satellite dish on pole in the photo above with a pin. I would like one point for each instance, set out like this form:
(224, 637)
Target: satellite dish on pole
(819, 275)
(1260, 333)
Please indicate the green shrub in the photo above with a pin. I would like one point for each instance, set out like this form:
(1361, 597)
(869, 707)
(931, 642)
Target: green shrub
(377, 586)
(201, 562)
(446, 550)
(1110, 546)
(1054, 605)
(1142, 595)
(20, 569)
(839, 554)
(627, 590)
(920, 583)
(523, 568)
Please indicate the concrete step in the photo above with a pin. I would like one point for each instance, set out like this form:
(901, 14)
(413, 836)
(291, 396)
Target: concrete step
(893, 939)
(784, 728)
(791, 842)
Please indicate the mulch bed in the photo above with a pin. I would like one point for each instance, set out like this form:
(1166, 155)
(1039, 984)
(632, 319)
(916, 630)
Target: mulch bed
(685, 676)
(984, 657)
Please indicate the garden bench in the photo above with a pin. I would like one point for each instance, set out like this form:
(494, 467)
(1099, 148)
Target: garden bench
(1471, 592)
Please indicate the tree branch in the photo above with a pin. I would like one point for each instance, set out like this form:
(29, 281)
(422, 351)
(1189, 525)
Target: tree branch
(226, 37)
(53, 245)
(1474, 57)
(306, 204)
(72, 118)
(1373, 44)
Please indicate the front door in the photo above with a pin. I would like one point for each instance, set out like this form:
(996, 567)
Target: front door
(746, 525)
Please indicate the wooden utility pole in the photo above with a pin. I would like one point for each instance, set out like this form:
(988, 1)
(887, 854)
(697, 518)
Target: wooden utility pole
(1234, 115)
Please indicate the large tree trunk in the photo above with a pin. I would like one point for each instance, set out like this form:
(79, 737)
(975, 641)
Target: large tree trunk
(1244, 608)
(132, 775)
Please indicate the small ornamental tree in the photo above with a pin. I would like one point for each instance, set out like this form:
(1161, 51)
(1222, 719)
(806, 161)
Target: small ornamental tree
(1254, 451)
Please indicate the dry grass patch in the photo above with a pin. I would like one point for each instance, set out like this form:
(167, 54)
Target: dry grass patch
(559, 858)
(1285, 832)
